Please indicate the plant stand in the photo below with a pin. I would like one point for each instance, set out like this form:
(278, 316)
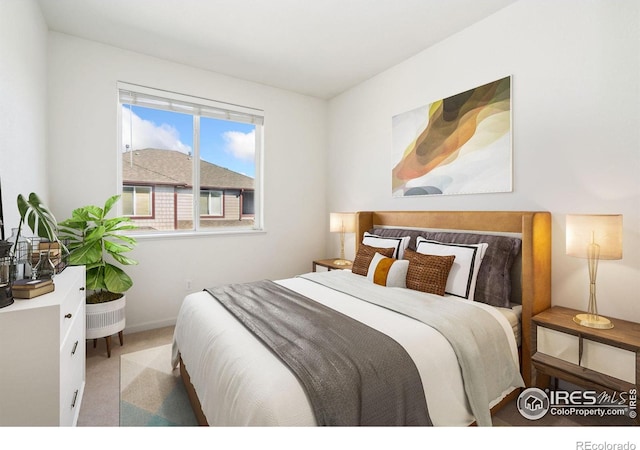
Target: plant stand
(105, 320)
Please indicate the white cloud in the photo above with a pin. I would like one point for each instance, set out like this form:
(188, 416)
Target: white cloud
(147, 134)
(241, 145)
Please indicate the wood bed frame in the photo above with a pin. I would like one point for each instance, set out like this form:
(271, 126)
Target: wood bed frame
(535, 230)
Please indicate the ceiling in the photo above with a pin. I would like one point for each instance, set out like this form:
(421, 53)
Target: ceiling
(314, 47)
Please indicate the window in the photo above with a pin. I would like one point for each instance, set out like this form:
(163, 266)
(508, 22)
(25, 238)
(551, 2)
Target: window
(247, 203)
(211, 203)
(188, 164)
(137, 201)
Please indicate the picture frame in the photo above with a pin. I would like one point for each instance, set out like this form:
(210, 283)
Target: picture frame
(461, 144)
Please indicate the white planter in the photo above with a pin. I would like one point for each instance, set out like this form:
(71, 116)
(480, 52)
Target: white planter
(105, 319)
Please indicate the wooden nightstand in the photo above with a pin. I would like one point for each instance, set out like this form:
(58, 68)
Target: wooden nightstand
(329, 264)
(604, 360)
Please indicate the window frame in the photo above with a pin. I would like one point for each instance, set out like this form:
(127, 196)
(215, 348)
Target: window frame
(204, 107)
(152, 206)
(243, 214)
(222, 206)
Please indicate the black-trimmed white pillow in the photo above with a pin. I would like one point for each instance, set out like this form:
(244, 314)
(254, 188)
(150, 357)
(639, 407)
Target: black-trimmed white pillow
(464, 272)
(398, 243)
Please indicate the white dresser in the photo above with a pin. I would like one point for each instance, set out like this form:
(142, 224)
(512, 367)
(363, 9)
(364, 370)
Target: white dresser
(42, 355)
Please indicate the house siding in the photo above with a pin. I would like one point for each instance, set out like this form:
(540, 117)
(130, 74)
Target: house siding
(164, 217)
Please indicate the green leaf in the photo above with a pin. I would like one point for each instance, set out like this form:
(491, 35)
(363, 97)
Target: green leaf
(88, 253)
(93, 236)
(109, 204)
(38, 217)
(95, 278)
(124, 260)
(91, 213)
(115, 248)
(131, 242)
(116, 280)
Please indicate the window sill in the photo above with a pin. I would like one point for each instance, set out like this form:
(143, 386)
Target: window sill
(161, 235)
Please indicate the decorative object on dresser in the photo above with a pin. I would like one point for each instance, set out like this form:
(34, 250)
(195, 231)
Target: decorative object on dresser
(43, 354)
(6, 296)
(44, 268)
(43, 249)
(20, 255)
(594, 237)
(43, 224)
(342, 223)
(27, 288)
(92, 237)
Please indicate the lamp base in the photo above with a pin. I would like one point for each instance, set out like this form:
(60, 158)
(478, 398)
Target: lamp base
(593, 321)
(342, 262)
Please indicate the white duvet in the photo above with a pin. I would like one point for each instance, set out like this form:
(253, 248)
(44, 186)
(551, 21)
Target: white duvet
(240, 382)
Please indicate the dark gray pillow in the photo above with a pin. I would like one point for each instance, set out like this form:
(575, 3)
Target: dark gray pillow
(494, 277)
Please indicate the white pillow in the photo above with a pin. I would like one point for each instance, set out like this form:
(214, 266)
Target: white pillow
(464, 272)
(388, 271)
(399, 243)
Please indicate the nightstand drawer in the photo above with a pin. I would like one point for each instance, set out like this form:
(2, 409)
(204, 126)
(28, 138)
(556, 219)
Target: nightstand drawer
(612, 361)
(607, 359)
(594, 358)
(559, 345)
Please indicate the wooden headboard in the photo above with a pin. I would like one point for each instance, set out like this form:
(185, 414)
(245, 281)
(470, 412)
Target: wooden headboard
(535, 230)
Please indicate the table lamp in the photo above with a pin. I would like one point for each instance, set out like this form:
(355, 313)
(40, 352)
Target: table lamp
(594, 237)
(342, 223)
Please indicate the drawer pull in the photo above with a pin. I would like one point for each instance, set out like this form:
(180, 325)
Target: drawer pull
(75, 347)
(68, 316)
(75, 397)
(82, 288)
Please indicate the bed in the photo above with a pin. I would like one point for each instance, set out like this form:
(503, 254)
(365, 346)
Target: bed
(234, 378)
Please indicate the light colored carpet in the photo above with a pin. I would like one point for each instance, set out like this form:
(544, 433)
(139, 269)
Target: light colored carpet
(151, 393)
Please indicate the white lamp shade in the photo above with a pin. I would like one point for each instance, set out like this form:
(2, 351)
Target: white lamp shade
(342, 222)
(603, 230)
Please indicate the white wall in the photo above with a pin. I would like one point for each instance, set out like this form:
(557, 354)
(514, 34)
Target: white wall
(83, 149)
(576, 101)
(23, 119)
(576, 141)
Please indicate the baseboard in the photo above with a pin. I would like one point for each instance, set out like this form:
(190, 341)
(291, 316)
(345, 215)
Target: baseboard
(149, 326)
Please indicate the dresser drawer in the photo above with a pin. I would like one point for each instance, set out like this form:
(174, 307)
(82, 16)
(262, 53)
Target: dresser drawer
(72, 368)
(68, 307)
(40, 371)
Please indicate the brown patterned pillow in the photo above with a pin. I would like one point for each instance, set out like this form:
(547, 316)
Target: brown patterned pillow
(365, 254)
(428, 273)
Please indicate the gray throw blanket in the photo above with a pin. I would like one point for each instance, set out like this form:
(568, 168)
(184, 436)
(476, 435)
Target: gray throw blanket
(352, 373)
(477, 338)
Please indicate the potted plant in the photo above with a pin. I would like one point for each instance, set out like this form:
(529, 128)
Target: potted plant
(97, 242)
(38, 217)
(43, 224)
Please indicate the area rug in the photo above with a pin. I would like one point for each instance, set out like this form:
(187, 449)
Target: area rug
(151, 393)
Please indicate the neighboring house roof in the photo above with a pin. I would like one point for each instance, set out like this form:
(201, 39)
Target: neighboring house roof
(170, 167)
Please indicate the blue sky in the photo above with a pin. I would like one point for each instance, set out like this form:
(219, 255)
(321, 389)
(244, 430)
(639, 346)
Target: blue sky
(227, 144)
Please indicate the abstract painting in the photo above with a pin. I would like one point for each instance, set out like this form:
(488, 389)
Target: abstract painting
(458, 145)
